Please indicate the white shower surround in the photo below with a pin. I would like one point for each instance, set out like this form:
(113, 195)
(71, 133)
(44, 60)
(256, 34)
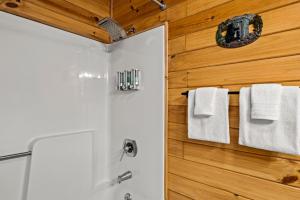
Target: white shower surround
(46, 89)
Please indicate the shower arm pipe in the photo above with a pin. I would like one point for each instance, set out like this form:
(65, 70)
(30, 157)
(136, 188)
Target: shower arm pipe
(162, 5)
(14, 156)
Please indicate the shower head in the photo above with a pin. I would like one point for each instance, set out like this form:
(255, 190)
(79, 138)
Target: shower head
(115, 31)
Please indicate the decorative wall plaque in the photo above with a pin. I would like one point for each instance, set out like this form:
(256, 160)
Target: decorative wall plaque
(236, 32)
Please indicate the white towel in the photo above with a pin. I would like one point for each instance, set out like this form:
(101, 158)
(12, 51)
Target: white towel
(205, 101)
(281, 135)
(213, 128)
(265, 101)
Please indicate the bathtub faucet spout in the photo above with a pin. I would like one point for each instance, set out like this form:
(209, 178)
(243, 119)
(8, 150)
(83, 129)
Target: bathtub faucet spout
(125, 176)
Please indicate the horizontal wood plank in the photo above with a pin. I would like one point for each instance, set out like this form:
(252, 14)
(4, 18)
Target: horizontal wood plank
(175, 148)
(199, 191)
(201, 39)
(178, 114)
(176, 98)
(177, 45)
(214, 16)
(243, 185)
(196, 6)
(277, 170)
(55, 19)
(261, 71)
(177, 79)
(99, 7)
(286, 43)
(149, 22)
(274, 21)
(179, 132)
(177, 12)
(75, 10)
(175, 196)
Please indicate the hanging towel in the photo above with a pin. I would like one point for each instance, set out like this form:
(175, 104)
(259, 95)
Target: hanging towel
(213, 128)
(265, 101)
(281, 135)
(205, 101)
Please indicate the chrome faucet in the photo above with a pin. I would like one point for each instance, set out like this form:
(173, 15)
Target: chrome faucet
(125, 176)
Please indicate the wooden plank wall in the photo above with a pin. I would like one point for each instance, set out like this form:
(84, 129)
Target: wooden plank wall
(211, 171)
(76, 16)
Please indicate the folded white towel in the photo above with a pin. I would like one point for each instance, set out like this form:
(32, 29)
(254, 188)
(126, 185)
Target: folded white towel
(205, 101)
(282, 135)
(213, 128)
(265, 101)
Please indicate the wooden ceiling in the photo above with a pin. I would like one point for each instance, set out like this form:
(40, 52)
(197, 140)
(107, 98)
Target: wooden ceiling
(128, 11)
(76, 16)
(81, 16)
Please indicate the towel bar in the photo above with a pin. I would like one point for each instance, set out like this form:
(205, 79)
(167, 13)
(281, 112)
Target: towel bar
(187, 93)
(13, 156)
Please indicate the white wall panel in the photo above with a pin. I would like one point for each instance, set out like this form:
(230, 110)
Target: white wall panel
(42, 94)
(46, 89)
(139, 115)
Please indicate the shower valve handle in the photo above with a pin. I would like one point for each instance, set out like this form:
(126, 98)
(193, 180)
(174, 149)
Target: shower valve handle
(129, 148)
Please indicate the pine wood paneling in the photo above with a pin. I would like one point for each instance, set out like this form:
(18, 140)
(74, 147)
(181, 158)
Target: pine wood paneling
(175, 148)
(177, 12)
(70, 10)
(286, 43)
(240, 184)
(175, 97)
(273, 22)
(178, 79)
(201, 39)
(99, 7)
(149, 22)
(179, 132)
(176, 196)
(142, 10)
(277, 170)
(270, 70)
(234, 117)
(70, 16)
(177, 45)
(196, 6)
(212, 17)
(177, 114)
(199, 191)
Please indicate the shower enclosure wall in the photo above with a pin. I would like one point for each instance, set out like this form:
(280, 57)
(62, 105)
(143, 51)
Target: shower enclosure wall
(59, 100)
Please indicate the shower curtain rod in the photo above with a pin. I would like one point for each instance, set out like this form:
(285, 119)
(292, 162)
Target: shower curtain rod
(17, 155)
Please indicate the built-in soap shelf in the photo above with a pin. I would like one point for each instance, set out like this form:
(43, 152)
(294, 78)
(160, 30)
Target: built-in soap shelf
(129, 80)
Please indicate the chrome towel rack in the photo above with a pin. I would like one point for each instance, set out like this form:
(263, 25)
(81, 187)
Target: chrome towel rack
(16, 155)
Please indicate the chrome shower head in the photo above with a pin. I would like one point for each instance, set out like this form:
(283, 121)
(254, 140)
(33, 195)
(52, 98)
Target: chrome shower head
(115, 31)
